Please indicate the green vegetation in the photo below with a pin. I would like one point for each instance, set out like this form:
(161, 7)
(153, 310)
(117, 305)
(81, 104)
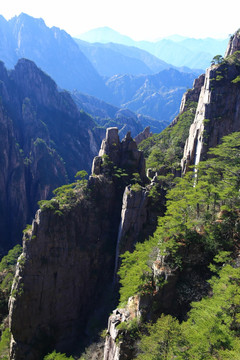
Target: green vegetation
(7, 271)
(164, 150)
(66, 195)
(131, 328)
(57, 356)
(218, 59)
(5, 344)
(135, 272)
(212, 328)
(203, 208)
(236, 80)
(234, 58)
(162, 340)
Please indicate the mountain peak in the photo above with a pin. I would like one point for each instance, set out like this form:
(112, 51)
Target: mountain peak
(234, 43)
(27, 19)
(106, 35)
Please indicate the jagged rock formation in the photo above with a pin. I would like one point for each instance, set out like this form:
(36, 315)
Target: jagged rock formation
(117, 152)
(143, 135)
(218, 107)
(69, 255)
(192, 94)
(234, 44)
(45, 140)
(218, 114)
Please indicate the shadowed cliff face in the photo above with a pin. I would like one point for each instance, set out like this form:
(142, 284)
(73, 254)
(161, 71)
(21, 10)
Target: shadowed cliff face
(218, 111)
(45, 140)
(217, 114)
(69, 255)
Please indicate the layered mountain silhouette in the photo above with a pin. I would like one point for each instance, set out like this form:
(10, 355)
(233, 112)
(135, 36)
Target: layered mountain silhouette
(112, 58)
(153, 95)
(175, 50)
(75, 69)
(52, 49)
(107, 115)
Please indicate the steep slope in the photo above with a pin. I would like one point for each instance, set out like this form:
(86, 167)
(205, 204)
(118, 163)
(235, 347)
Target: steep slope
(68, 259)
(23, 37)
(158, 96)
(107, 115)
(218, 107)
(201, 226)
(45, 140)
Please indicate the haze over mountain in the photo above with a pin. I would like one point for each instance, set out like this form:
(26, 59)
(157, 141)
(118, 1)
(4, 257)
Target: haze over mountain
(63, 60)
(107, 115)
(111, 58)
(51, 49)
(153, 95)
(175, 50)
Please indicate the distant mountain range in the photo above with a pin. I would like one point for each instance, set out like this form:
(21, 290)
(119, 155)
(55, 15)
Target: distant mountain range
(53, 50)
(112, 58)
(176, 50)
(153, 95)
(107, 115)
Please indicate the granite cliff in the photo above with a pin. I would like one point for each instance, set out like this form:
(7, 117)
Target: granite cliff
(45, 140)
(218, 106)
(218, 96)
(84, 228)
(60, 276)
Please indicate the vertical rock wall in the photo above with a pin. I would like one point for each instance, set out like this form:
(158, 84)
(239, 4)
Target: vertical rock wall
(218, 111)
(68, 257)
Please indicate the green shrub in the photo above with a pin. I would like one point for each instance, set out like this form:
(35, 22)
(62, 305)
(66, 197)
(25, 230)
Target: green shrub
(5, 344)
(57, 356)
(236, 80)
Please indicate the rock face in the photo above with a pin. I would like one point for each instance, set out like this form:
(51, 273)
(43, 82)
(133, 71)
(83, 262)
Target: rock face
(218, 107)
(120, 344)
(118, 154)
(234, 44)
(192, 94)
(69, 256)
(45, 140)
(143, 135)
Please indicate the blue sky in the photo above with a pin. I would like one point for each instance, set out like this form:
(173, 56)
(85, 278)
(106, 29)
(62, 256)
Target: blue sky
(141, 20)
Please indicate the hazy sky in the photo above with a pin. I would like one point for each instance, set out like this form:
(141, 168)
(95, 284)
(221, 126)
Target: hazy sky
(139, 19)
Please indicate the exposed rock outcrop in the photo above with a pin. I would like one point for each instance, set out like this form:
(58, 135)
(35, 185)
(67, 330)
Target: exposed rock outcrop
(192, 94)
(120, 343)
(69, 255)
(45, 140)
(234, 44)
(123, 155)
(143, 135)
(218, 111)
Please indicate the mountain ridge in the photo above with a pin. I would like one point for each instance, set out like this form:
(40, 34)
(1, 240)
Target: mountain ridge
(184, 50)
